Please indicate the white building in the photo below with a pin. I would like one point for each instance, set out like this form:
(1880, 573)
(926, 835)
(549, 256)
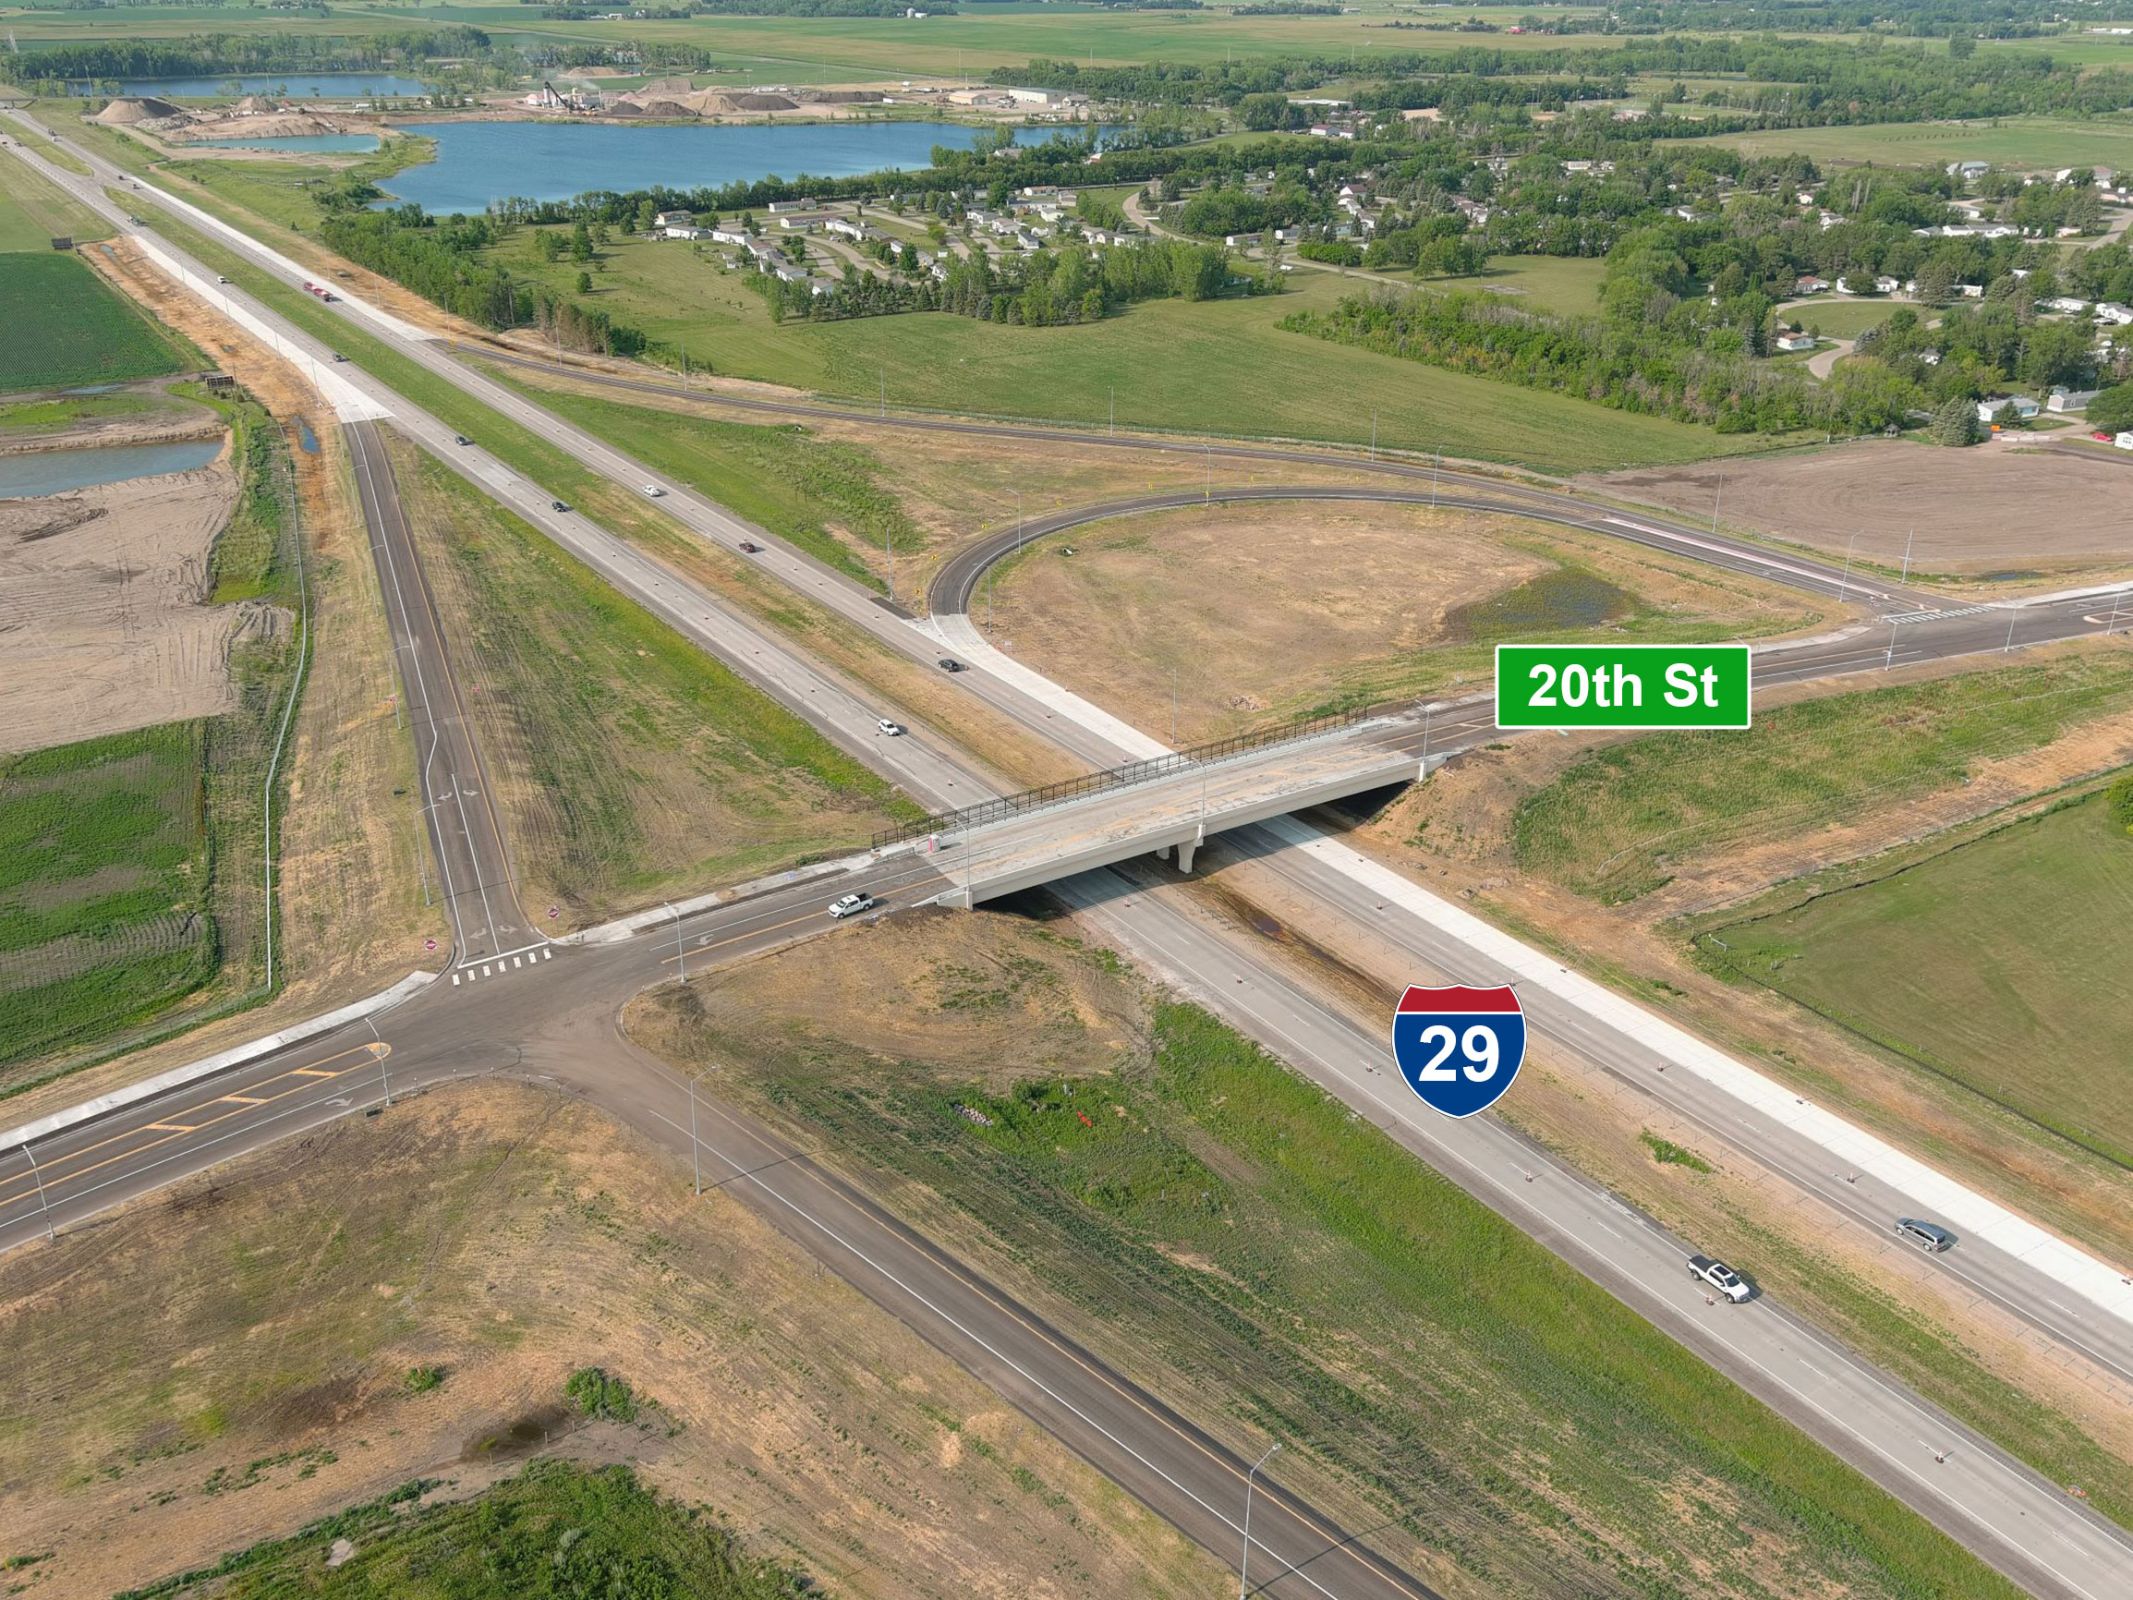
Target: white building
(1989, 408)
(1789, 342)
(2063, 400)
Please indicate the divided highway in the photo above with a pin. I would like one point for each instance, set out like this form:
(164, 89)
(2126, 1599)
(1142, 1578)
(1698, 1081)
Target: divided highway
(471, 1024)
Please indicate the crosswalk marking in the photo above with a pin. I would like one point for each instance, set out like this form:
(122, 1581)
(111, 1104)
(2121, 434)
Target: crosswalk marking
(1936, 616)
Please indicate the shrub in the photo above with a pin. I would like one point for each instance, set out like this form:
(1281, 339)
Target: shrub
(2118, 800)
(596, 1394)
(421, 1380)
(1669, 1154)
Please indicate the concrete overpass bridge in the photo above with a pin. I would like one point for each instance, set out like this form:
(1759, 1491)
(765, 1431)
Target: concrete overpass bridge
(1167, 805)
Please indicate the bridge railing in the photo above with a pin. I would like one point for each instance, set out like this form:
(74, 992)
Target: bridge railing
(1068, 790)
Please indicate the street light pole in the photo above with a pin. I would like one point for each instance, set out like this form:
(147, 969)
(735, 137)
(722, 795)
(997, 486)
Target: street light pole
(1244, 1567)
(681, 956)
(1844, 587)
(42, 1204)
(696, 1152)
(1907, 555)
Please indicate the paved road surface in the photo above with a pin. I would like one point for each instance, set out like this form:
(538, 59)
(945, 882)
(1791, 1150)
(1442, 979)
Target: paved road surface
(469, 1028)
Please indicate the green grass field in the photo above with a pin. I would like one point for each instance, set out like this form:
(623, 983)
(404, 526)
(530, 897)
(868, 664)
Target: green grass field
(2010, 141)
(65, 327)
(34, 211)
(1618, 822)
(555, 1531)
(629, 762)
(45, 416)
(1995, 964)
(784, 478)
(1244, 1243)
(1842, 319)
(105, 885)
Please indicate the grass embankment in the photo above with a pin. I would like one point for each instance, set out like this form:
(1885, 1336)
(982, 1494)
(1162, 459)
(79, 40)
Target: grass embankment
(936, 361)
(34, 211)
(69, 411)
(65, 327)
(556, 1531)
(1227, 1232)
(1612, 824)
(1994, 964)
(628, 760)
(819, 494)
(131, 866)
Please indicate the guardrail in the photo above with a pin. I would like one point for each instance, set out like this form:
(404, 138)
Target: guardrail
(1068, 790)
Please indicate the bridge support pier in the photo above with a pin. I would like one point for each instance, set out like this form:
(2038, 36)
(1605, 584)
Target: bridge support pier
(1185, 848)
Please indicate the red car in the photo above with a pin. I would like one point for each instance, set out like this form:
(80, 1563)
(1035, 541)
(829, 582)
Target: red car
(2101, 436)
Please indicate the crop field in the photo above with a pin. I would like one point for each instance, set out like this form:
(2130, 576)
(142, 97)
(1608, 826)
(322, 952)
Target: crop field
(629, 761)
(104, 875)
(1222, 1229)
(2010, 141)
(65, 327)
(33, 212)
(1994, 964)
(1614, 825)
(130, 865)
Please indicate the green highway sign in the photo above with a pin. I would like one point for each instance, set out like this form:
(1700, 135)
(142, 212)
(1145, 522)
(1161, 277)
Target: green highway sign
(1622, 686)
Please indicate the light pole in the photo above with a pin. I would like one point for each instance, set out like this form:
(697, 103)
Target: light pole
(1173, 708)
(42, 1204)
(1907, 554)
(696, 1152)
(681, 956)
(1717, 495)
(1890, 660)
(1844, 587)
(2111, 627)
(1244, 1567)
(2012, 613)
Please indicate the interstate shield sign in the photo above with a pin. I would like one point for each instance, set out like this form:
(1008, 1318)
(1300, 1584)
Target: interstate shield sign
(1459, 1047)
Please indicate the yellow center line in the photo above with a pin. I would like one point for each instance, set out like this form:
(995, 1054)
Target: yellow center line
(64, 1169)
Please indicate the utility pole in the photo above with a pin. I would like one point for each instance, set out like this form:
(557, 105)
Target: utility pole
(1114, 409)
(885, 393)
(1373, 435)
(1717, 495)
(1210, 472)
(696, 1152)
(1244, 1567)
(1173, 708)
(1435, 463)
(42, 1204)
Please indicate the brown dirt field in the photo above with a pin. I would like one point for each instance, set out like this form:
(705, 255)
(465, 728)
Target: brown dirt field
(351, 847)
(103, 625)
(226, 1363)
(1992, 508)
(1276, 607)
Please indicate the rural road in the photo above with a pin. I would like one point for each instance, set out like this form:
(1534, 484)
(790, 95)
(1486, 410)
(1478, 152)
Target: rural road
(2055, 1546)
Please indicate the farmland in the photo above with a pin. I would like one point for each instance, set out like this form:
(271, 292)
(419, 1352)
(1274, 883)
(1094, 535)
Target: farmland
(1615, 825)
(65, 327)
(628, 760)
(33, 212)
(130, 865)
(2009, 141)
(1988, 964)
(1223, 1230)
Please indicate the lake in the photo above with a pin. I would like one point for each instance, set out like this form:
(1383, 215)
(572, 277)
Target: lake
(320, 143)
(57, 471)
(478, 162)
(296, 85)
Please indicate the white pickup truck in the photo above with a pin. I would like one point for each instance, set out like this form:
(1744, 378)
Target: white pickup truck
(1721, 1277)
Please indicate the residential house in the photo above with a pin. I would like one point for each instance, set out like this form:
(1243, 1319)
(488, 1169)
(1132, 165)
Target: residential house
(673, 219)
(1789, 342)
(803, 221)
(1971, 291)
(2125, 440)
(778, 208)
(2066, 303)
(847, 227)
(1810, 285)
(2111, 312)
(684, 230)
(729, 235)
(1884, 284)
(1968, 171)
(1990, 407)
(2060, 401)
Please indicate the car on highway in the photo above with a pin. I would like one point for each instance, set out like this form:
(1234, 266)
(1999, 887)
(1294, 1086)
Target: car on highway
(895, 730)
(338, 356)
(654, 490)
(1720, 1277)
(1930, 1236)
(850, 905)
(558, 505)
(750, 548)
(137, 222)
(950, 664)
(460, 438)
(220, 278)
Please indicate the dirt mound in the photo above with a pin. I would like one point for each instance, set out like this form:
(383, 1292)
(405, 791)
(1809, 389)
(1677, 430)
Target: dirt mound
(253, 105)
(129, 109)
(763, 102)
(842, 97)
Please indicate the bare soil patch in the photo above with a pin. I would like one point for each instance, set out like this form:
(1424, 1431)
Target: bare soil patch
(103, 622)
(228, 1362)
(1244, 611)
(1989, 509)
